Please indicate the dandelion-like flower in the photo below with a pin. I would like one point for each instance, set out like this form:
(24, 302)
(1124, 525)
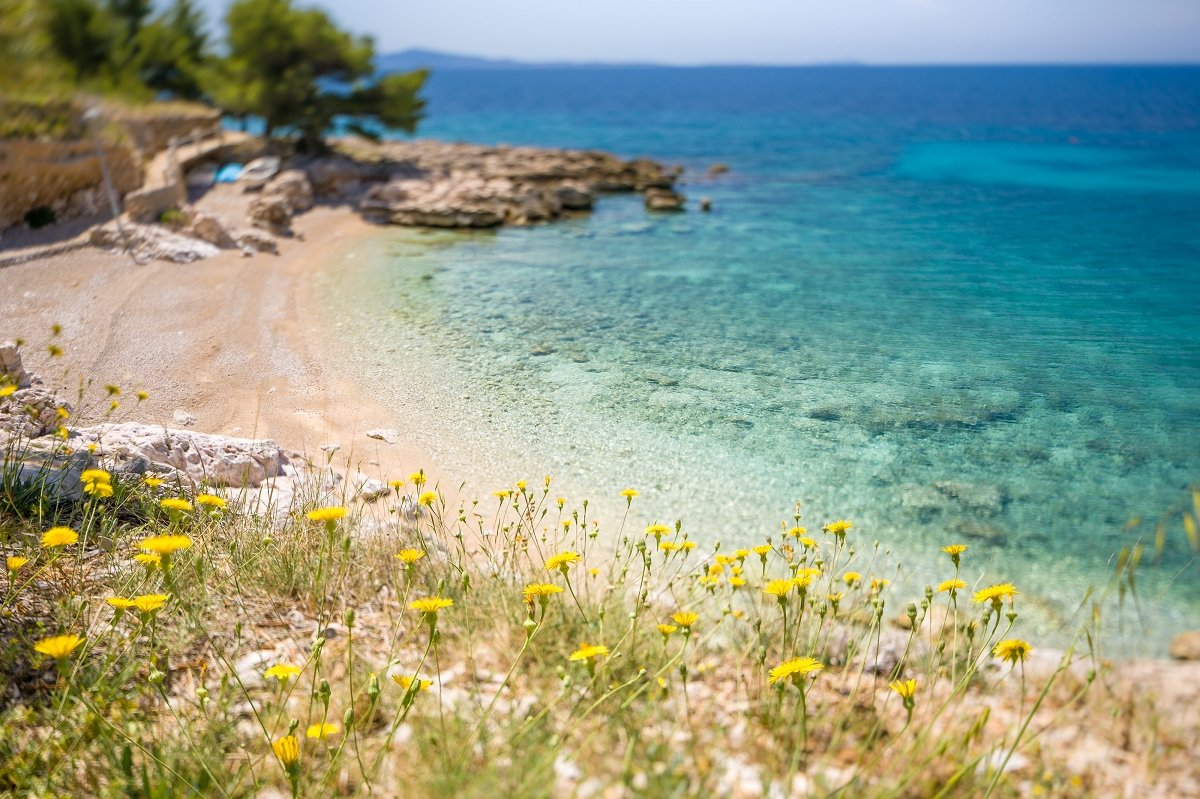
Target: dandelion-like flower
(328, 514)
(629, 494)
(148, 603)
(852, 578)
(287, 749)
(667, 630)
(148, 559)
(796, 532)
(430, 605)
(995, 594)
(427, 498)
(778, 589)
(1014, 650)
(14, 562)
(98, 489)
(795, 669)
(685, 619)
(659, 530)
(152, 482)
(907, 689)
(319, 731)
(164, 544)
(175, 504)
(417, 478)
(954, 549)
(282, 672)
(211, 501)
(59, 537)
(58, 646)
(562, 561)
(406, 682)
(540, 592)
(737, 582)
(952, 586)
(410, 556)
(839, 528)
(7, 391)
(762, 550)
(120, 602)
(587, 652)
(94, 476)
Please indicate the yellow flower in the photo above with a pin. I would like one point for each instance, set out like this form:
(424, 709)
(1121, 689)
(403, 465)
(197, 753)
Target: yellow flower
(417, 478)
(152, 482)
(629, 494)
(321, 730)
(59, 537)
(668, 546)
(427, 498)
(852, 578)
(287, 749)
(148, 603)
(566, 524)
(282, 672)
(801, 581)
(541, 591)
(835, 597)
(113, 391)
(7, 391)
(1013, 650)
(327, 514)
(410, 556)
(406, 682)
(685, 619)
(148, 559)
(58, 646)
(667, 630)
(396, 484)
(688, 546)
(907, 689)
(778, 588)
(995, 593)
(176, 504)
(796, 669)
(14, 562)
(839, 527)
(659, 530)
(709, 581)
(955, 549)
(164, 544)
(431, 604)
(562, 561)
(879, 583)
(741, 554)
(95, 476)
(589, 651)
(951, 585)
(725, 560)
(521, 485)
(762, 550)
(737, 582)
(55, 351)
(142, 396)
(807, 543)
(796, 532)
(98, 489)
(501, 494)
(120, 602)
(210, 500)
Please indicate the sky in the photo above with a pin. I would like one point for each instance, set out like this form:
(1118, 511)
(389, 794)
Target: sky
(782, 31)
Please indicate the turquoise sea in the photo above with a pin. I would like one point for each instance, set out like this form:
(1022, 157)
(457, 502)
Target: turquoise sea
(951, 304)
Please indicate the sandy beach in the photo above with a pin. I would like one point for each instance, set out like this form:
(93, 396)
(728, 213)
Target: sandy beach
(236, 342)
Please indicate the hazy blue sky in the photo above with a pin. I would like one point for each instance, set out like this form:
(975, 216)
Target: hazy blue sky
(784, 31)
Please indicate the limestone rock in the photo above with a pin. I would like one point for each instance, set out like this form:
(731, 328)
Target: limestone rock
(216, 460)
(1186, 646)
(254, 241)
(658, 199)
(151, 242)
(54, 473)
(183, 418)
(271, 211)
(293, 185)
(31, 412)
(12, 370)
(574, 197)
(209, 228)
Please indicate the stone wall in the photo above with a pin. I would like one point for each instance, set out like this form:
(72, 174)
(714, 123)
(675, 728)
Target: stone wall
(62, 176)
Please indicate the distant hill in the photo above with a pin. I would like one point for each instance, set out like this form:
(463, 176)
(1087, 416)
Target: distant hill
(416, 58)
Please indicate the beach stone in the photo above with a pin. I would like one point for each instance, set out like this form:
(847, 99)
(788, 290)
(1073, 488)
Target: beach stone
(258, 242)
(369, 489)
(294, 187)
(12, 370)
(659, 199)
(182, 417)
(271, 211)
(388, 436)
(574, 197)
(209, 228)
(150, 242)
(213, 459)
(1186, 646)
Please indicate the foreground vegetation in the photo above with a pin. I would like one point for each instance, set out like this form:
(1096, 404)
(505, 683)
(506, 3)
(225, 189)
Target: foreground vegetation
(157, 642)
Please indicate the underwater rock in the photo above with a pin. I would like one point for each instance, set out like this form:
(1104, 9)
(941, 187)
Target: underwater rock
(664, 200)
(981, 531)
(980, 497)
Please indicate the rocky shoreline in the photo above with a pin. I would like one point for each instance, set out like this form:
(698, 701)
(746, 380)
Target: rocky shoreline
(411, 183)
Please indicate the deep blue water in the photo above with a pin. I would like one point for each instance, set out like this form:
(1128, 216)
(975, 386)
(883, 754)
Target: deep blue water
(949, 303)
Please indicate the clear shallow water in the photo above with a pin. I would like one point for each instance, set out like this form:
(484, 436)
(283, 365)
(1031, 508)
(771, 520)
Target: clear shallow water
(951, 304)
